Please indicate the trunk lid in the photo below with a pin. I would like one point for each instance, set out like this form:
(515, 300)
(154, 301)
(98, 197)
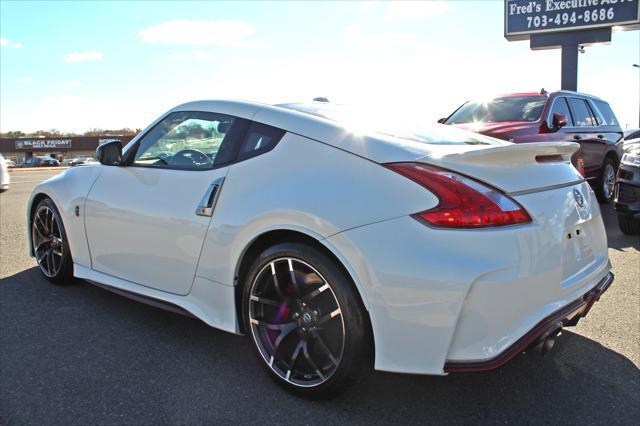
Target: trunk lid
(569, 218)
(561, 204)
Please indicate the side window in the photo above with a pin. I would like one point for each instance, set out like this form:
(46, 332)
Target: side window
(581, 113)
(560, 106)
(604, 114)
(185, 140)
(259, 138)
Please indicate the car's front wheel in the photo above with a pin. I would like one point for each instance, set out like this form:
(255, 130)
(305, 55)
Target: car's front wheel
(50, 245)
(306, 320)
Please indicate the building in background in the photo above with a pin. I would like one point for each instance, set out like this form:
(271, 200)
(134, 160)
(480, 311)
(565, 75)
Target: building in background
(60, 148)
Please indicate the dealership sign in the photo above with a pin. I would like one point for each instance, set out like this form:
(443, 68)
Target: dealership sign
(50, 144)
(526, 17)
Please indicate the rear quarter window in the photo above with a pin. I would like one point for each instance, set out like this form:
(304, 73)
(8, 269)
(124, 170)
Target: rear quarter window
(604, 114)
(259, 138)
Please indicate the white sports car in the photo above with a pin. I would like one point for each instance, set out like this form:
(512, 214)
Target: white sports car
(331, 240)
(5, 179)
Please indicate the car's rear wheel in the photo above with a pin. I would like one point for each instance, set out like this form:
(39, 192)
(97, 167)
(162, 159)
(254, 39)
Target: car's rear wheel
(606, 183)
(50, 245)
(628, 225)
(306, 320)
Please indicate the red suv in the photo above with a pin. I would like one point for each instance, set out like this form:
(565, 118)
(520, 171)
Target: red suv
(550, 117)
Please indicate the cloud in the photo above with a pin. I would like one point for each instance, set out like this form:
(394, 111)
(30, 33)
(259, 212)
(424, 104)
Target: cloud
(89, 55)
(25, 79)
(356, 36)
(7, 43)
(197, 55)
(418, 9)
(201, 33)
(71, 84)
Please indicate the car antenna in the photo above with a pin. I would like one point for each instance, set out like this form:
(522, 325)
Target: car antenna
(543, 92)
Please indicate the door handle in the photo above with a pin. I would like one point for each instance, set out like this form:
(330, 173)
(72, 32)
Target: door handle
(600, 136)
(577, 137)
(210, 198)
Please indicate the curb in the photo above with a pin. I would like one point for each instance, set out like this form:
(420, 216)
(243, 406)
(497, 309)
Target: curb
(35, 169)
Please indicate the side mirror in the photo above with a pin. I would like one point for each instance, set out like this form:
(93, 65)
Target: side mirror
(559, 120)
(442, 120)
(110, 153)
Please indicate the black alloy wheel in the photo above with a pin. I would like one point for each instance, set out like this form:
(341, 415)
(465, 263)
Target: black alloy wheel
(306, 320)
(50, 244)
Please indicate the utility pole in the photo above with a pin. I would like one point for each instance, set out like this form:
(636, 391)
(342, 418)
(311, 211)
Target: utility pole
(569, 67)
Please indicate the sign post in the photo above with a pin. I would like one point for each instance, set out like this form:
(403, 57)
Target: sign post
(567, 25)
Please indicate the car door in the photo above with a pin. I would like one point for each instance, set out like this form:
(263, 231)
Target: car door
(586, 134)
(146, 221)
(567, 133)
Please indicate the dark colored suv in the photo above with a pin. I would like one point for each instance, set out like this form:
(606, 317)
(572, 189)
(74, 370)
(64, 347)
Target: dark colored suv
(627, 194)
(551, 117)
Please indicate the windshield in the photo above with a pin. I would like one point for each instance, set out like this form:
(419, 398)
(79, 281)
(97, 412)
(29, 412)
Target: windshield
(512, 108)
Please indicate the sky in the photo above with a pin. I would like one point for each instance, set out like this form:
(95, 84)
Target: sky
(73, 66)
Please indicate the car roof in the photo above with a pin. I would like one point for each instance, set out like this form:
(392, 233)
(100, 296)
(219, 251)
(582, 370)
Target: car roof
(318, 109)
(510, 95)
(572, 93)
(351, 128)
(556, 93)
(631, 135)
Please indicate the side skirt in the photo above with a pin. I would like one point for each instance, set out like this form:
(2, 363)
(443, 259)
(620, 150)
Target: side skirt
(156, 303)
(209, 301)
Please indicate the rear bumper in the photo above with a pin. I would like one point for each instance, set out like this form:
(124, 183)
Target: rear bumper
(564, 317)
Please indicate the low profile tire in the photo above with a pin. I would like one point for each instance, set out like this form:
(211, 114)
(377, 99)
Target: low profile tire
(50, 244)
(606, 182)
(306, 320)
(628, 225)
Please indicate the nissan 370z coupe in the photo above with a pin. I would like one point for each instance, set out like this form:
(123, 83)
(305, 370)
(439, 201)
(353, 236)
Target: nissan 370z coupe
(331, 241)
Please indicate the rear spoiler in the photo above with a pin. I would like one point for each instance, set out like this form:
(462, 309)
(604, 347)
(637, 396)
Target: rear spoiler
(513, 168)
(508, 155)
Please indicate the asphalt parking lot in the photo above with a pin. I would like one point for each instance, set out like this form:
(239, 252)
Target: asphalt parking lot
(81, 355)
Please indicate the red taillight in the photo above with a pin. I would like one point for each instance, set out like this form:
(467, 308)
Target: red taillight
(580, 166)
(464, 202)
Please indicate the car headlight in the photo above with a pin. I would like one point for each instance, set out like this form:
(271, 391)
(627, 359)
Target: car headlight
(632, 159)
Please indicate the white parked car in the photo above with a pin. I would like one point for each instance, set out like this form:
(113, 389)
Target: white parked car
(327, 240)
(5, 180)
(81, 161)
